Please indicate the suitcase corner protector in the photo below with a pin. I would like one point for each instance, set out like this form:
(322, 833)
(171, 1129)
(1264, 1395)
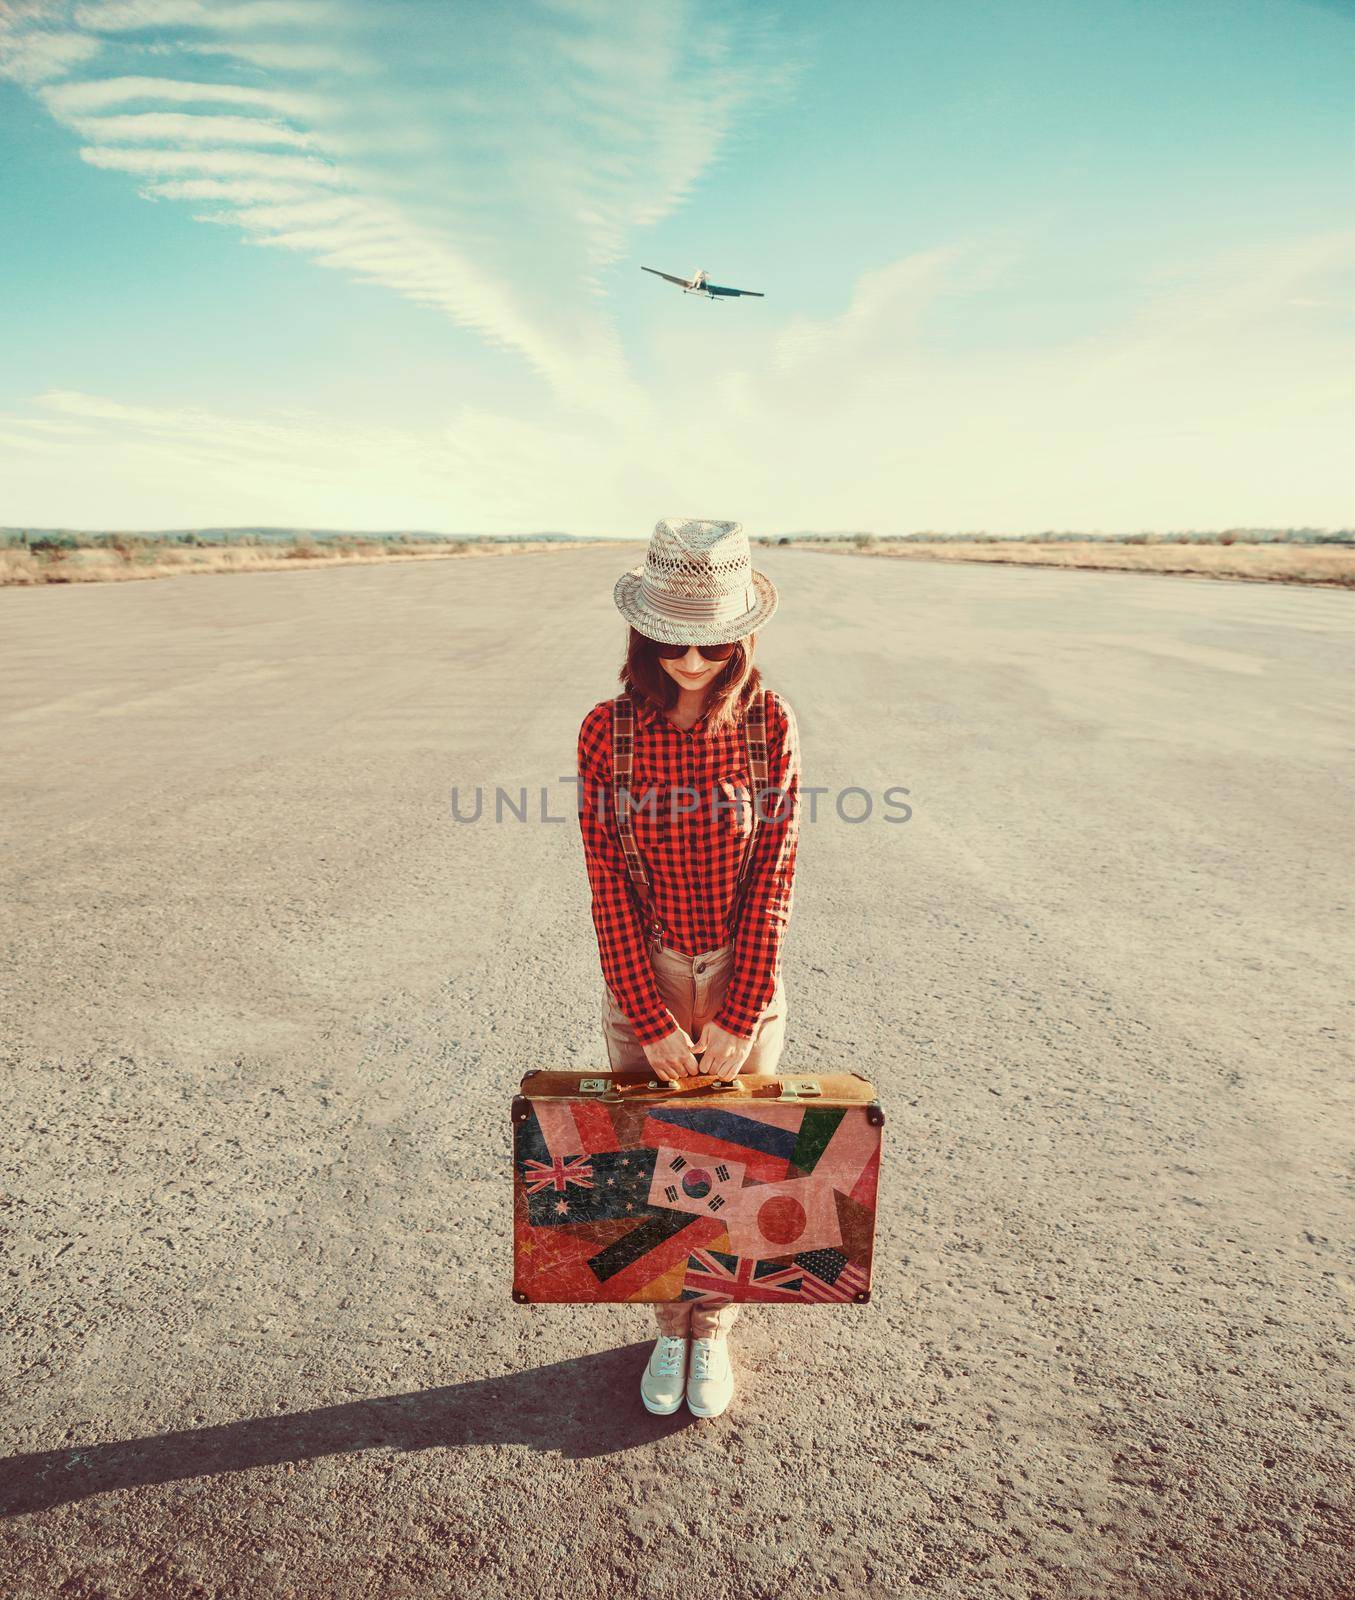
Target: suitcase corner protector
(862, 1296)
(875, 1114)
(521, 1108)
(522, 1297)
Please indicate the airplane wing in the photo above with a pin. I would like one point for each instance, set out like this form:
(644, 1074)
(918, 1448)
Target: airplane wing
(714, 288)
(668, 275)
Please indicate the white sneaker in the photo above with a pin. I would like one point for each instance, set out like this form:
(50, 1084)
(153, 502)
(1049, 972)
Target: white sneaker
(665, 1374)
(710, 1383)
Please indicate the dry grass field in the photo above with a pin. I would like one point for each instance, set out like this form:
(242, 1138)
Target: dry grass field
(148, 558)
(1332, 564)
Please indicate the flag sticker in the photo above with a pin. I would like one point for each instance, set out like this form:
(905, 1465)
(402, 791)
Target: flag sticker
(684, 1182)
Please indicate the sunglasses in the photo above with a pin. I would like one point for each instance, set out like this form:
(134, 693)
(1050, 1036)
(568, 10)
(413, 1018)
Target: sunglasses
(711, 652)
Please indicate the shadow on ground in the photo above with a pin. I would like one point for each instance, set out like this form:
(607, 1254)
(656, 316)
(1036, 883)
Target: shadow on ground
(567, 1408)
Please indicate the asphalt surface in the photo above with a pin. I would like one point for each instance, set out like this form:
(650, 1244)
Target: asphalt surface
(267, 1002)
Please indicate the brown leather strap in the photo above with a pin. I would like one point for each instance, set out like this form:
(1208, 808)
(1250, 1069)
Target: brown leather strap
(623, 751)
(755, 742)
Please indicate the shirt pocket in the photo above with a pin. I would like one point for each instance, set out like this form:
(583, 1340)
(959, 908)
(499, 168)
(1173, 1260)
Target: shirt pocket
(649, 811)
(731, 806)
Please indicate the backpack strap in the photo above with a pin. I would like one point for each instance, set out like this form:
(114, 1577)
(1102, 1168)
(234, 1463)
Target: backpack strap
(623, 751)
(755, 738)
(755, 743)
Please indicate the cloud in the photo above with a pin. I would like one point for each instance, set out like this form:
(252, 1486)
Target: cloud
(1222, 308)
(46, 425)
(76, 99)
(494, 162)
(275, 56)
(33, 53)
(1167, 419)
(120, 16)
(178, 127)
(260, 163)
(887, 301)
(164, 466)
(654, 98)
(236, 191)
(23, 443)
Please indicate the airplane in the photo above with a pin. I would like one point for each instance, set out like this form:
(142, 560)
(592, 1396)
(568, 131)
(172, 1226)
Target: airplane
(699, 283)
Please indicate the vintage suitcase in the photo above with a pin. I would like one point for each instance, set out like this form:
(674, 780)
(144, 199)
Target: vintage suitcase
(761, 1189)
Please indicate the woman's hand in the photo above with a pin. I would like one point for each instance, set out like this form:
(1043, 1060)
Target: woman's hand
(671, 1057)
(722, 1053)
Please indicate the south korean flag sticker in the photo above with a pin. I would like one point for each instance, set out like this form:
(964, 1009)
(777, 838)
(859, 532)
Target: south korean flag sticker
(705, 1186)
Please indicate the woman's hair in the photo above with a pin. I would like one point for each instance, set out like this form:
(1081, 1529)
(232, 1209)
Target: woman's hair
(643, 677)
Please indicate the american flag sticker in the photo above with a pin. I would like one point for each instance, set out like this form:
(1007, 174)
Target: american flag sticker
(829, 1277)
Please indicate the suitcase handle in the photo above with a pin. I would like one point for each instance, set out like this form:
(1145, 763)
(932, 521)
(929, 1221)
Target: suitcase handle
(785, 1088)
(697, 1082)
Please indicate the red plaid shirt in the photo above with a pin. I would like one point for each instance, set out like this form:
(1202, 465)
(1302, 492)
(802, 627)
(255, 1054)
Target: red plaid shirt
(693, 837)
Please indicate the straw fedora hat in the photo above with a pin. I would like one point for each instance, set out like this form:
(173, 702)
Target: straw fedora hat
(697, 585)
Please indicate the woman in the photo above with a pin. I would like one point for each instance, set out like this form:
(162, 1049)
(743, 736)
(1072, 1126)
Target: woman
(691, 889)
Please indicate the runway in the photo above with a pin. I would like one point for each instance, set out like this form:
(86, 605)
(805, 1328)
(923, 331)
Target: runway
(268, 1000)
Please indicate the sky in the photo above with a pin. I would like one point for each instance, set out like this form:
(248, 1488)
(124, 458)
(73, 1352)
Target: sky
(375, 264)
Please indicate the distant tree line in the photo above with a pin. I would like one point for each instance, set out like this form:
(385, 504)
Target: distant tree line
(49, 540)
(297, 541)
(866, 541)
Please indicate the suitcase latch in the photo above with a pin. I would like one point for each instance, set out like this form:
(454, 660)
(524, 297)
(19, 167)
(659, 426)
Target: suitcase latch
(800, 1088)
(594, 1085)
